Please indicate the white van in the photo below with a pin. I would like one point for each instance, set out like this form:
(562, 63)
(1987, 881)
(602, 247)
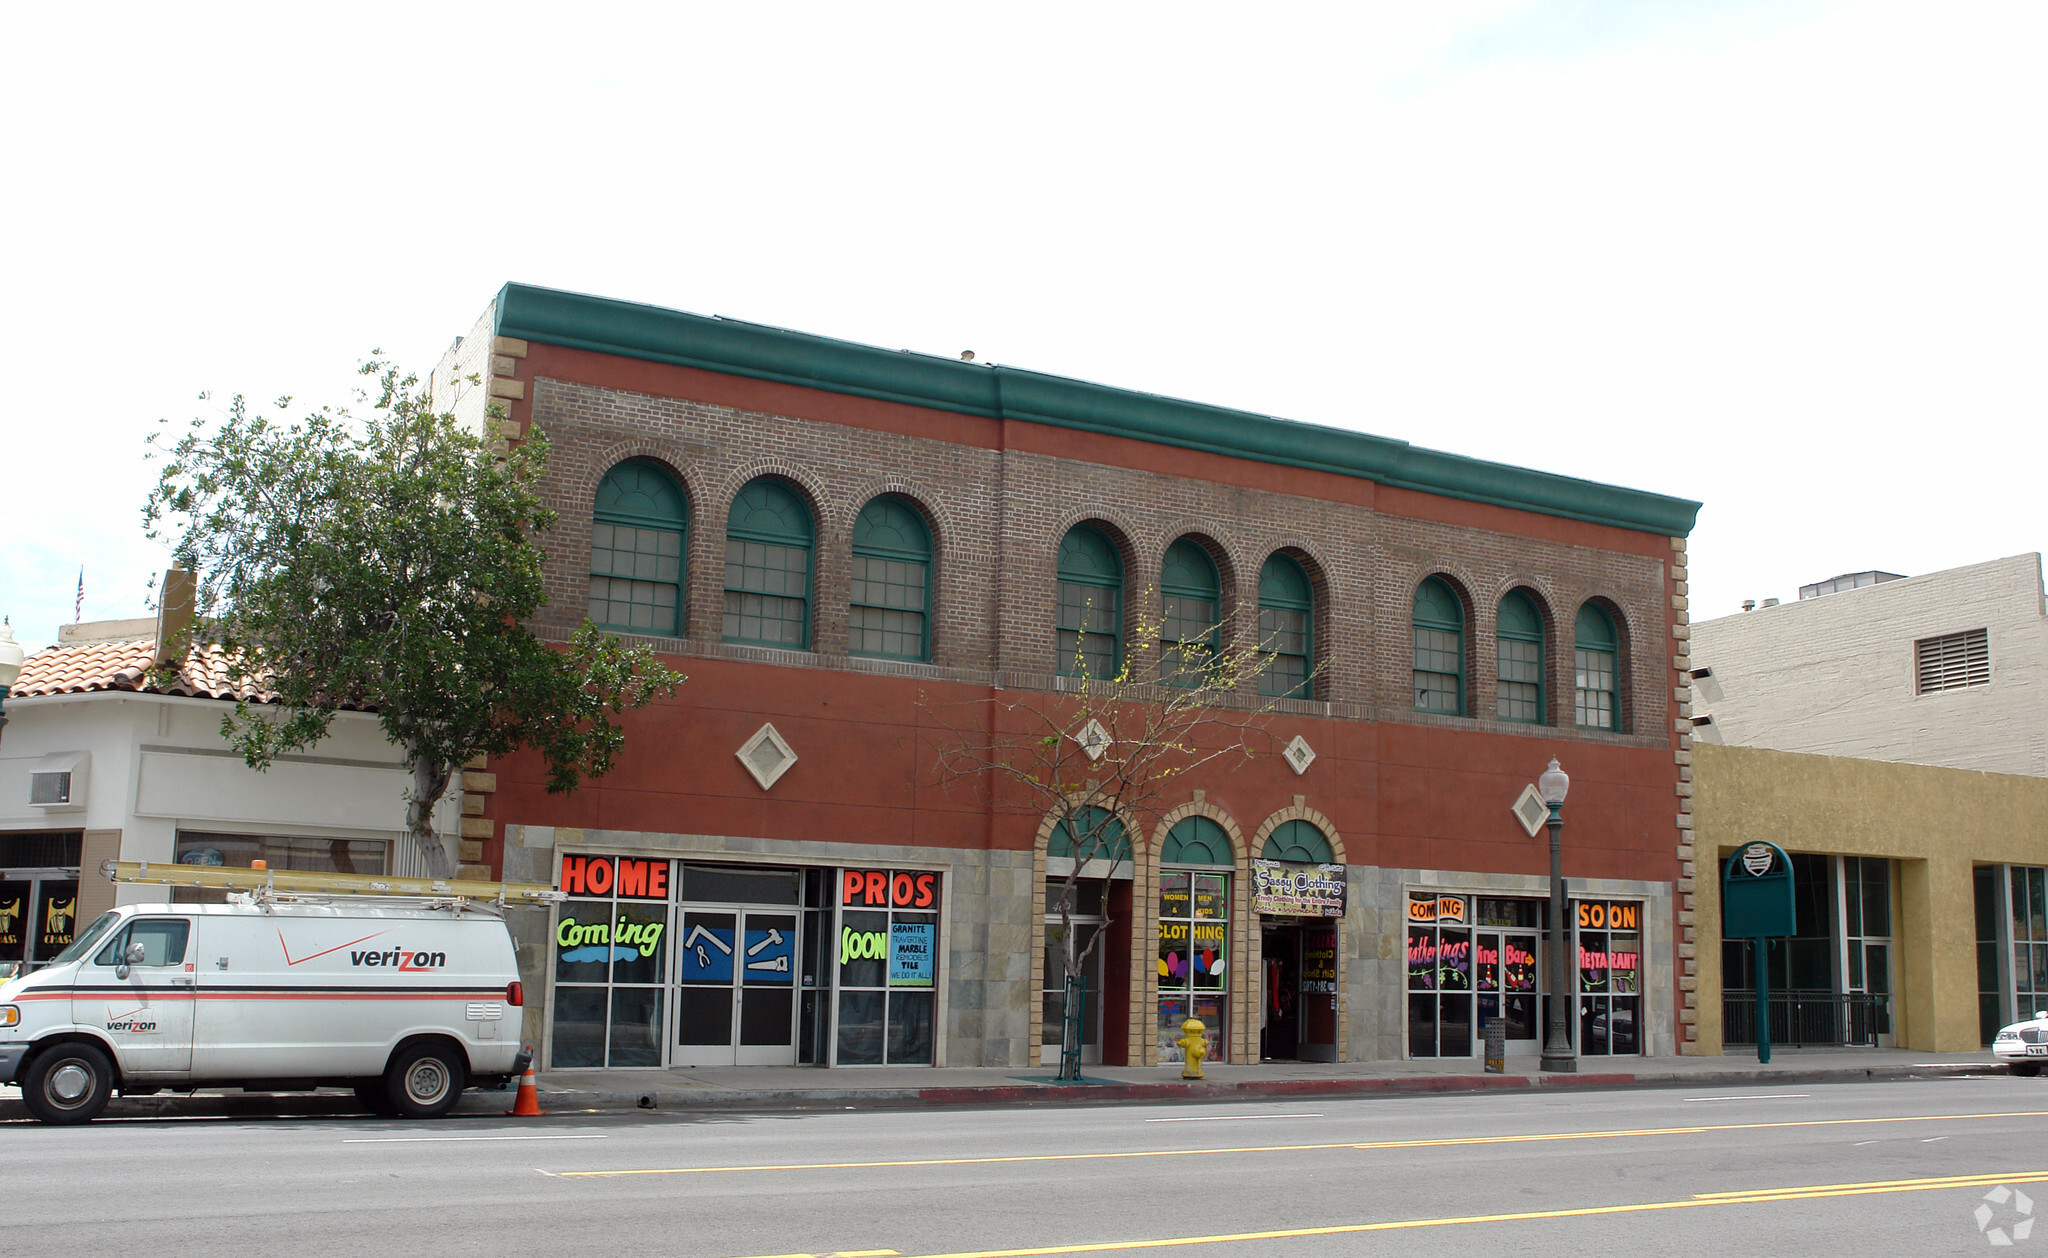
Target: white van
(404, 1002)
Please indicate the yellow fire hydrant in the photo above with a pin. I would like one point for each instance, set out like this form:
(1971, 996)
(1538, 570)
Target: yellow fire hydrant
(1194, 1046)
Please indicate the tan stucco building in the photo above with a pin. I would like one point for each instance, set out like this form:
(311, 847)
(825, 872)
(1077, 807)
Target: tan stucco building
(1947, 863)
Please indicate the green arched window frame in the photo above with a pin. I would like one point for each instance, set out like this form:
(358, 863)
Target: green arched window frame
(1091, 584)
(639, 532)
(1439, 649)
(1096, 831)
(1299, 842)
(1286, 629)
(1595, 669)
(1190, 615)
(1518, 652)
(768, 567)
(890, 594)
(1196, 841)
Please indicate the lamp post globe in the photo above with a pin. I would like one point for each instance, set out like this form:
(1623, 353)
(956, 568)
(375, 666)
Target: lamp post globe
(1558, 1054)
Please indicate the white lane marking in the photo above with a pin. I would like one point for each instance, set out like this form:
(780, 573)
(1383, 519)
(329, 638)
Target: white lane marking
(1761, 1096)
(1231, 1117)
(447, 1139)
(1933, 1139)
(1861, 1143)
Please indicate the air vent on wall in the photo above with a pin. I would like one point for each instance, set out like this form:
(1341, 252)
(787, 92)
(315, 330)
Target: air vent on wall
(56, 783)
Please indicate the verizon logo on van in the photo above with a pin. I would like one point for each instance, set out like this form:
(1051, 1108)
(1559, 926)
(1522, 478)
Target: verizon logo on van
(400, 958)
(394, 958)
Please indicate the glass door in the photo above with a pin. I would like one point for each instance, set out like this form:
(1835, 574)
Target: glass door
(767, 990)
(735, 988)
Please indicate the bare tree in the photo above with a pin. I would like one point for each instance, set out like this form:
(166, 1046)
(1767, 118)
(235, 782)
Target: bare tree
(1101, 753)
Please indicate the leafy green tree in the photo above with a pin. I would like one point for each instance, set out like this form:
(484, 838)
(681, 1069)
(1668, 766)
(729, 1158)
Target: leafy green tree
(388, 563)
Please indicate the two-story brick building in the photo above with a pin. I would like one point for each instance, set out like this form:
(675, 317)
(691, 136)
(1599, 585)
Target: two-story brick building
(839, 544)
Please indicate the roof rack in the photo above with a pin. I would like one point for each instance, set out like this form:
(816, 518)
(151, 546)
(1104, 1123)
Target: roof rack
(278, 883)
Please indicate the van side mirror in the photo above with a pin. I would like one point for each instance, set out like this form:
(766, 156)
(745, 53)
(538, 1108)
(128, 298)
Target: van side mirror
(133, 954)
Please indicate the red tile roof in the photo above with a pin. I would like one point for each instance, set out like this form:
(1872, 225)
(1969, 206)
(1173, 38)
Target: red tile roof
(100, 666)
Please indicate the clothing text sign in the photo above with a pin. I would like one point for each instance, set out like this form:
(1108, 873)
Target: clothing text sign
(1291, 890)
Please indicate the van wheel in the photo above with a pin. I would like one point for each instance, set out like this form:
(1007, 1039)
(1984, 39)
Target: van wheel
(425, 1081)
(68, 1084)
(2025, 1069)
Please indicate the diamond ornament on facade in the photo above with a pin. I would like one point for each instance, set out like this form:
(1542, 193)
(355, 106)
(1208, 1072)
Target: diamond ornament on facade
(1299, 755)
(1530, 810)
(1094, 740)
(766, 756)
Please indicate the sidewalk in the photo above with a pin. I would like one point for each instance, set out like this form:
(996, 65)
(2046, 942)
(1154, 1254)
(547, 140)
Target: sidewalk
(799, 1088)
(807, 1087)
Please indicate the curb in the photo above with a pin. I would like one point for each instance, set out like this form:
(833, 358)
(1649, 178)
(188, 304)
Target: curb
(1052, 1094)
(226, 1104)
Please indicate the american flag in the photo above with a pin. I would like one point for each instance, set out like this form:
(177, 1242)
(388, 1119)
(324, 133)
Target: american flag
(78, 608)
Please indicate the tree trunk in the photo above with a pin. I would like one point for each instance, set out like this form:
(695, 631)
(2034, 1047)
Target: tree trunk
(429, 783)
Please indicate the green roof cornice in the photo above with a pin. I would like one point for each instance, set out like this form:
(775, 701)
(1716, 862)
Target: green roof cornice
(754, 350)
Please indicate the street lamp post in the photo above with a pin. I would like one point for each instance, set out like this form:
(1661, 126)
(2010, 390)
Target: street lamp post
(11, 656)
(1557, 1045)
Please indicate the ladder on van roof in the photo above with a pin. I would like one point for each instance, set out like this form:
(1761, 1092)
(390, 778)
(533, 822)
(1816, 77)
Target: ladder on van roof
(273, 883)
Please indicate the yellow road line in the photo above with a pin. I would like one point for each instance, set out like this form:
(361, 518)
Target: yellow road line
(1446, 1142)
(1753, 1197)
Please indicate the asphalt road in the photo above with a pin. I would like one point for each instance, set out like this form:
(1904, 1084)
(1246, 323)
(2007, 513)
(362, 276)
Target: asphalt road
(1897, 1169)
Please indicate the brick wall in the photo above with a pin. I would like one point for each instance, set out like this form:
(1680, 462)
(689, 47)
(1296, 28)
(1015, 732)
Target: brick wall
(997, 517)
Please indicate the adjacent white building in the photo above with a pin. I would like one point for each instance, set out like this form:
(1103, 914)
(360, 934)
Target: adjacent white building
(100, 762)
(1950, 669)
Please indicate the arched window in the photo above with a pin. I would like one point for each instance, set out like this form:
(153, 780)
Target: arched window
(1091, 583)
(1286, 629)
(1299, 842)
(1095, 833)
(636, 550)
(768, 567)
(1518, 638)
(891, 592)
(1439, 649)
(1195, 841)
(1190, 604)
(1593, 664)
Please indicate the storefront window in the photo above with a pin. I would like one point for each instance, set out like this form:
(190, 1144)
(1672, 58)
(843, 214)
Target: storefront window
(1471, 959)
(1194, 963)
(888, 967)
(611, 962)
(2029, 938)
(1610, 977)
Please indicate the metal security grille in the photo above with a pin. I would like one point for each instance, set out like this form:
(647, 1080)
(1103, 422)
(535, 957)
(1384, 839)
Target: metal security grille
(1953, 661)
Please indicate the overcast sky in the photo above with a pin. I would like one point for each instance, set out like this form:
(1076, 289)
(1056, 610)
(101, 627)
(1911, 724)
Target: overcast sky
(1783, 258)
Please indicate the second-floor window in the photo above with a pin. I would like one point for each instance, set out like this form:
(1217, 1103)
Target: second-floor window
(1091, 580)
(637, 531)
(1286, 629)
(1190, 605)
(768, 567)
(890, 612)
(1439, 671)
(1594, 656)
(1518, 638)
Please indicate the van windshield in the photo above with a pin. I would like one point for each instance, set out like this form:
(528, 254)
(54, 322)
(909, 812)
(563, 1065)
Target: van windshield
(87, 938)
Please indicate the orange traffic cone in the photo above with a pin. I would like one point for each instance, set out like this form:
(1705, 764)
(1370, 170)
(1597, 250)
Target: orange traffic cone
(527, 1104)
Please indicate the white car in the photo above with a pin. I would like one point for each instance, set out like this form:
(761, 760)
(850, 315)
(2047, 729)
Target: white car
(2023, 1046)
